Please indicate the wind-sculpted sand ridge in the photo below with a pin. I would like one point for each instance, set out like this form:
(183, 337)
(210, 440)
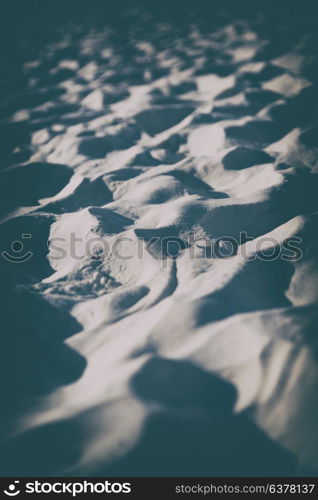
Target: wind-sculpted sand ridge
(158, 356)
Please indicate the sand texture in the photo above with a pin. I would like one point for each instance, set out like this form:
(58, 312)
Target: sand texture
(156, 357)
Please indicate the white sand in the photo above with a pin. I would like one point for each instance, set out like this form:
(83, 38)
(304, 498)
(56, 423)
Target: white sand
(165, 151)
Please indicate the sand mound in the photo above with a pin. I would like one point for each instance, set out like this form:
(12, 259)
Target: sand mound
(130, 344)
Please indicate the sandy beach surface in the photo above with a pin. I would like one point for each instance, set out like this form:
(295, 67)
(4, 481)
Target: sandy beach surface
(132, 142)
